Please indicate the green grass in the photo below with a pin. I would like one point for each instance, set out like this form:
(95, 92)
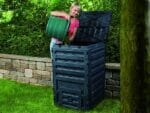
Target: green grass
(23, 98)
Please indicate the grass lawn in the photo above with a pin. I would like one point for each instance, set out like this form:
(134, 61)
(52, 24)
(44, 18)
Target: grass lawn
(23, 98)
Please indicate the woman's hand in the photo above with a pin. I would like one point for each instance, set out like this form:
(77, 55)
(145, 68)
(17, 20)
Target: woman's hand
(67, 17)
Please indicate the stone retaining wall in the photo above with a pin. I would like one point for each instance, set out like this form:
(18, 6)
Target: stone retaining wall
(38, 71)
(112, 80)
(32, 70)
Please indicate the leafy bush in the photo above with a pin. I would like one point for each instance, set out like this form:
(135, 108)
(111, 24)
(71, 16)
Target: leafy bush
(23, 30)
(25, 33)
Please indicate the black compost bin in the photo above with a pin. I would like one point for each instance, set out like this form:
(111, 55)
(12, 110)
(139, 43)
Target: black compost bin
(79, 68)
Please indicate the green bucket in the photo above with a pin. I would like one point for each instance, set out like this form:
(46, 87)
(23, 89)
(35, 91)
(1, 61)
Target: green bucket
(57, 27)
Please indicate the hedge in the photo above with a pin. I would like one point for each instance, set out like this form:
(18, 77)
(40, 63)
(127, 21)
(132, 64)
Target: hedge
(23, 23)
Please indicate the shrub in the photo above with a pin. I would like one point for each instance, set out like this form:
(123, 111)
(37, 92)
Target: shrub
(23, 31)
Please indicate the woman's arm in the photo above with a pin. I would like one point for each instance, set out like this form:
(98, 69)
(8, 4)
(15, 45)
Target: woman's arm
(60, 13)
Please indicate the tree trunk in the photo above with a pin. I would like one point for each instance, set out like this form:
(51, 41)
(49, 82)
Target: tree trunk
(147, 63)
(133, 53)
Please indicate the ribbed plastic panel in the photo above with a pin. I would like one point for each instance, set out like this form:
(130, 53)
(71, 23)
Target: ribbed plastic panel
(94, 26)
(78, 74)
(79, 69)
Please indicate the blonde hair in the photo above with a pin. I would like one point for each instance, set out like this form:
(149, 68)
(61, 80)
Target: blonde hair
(75, 4)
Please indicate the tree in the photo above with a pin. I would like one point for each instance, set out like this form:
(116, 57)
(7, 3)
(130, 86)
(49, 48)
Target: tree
(133, 54)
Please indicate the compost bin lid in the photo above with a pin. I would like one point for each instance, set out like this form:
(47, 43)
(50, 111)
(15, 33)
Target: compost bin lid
(93, 26)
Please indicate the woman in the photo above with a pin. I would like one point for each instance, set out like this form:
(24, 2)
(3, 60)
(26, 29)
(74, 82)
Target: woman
(74, 23)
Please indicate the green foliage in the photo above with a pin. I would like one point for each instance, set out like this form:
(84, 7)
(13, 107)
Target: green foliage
(6, 16)
(25, 33)
(23, 25)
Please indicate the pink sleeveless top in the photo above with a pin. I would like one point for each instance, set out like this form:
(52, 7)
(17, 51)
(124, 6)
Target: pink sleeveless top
(74, 23)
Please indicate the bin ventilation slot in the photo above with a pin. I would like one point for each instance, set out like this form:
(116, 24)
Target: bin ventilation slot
(69, 60)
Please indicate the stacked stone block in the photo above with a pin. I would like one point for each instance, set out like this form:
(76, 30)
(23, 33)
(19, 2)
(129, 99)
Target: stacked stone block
(32, 70)
(112, 80)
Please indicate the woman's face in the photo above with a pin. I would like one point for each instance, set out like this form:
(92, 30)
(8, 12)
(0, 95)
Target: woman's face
(74, 11)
